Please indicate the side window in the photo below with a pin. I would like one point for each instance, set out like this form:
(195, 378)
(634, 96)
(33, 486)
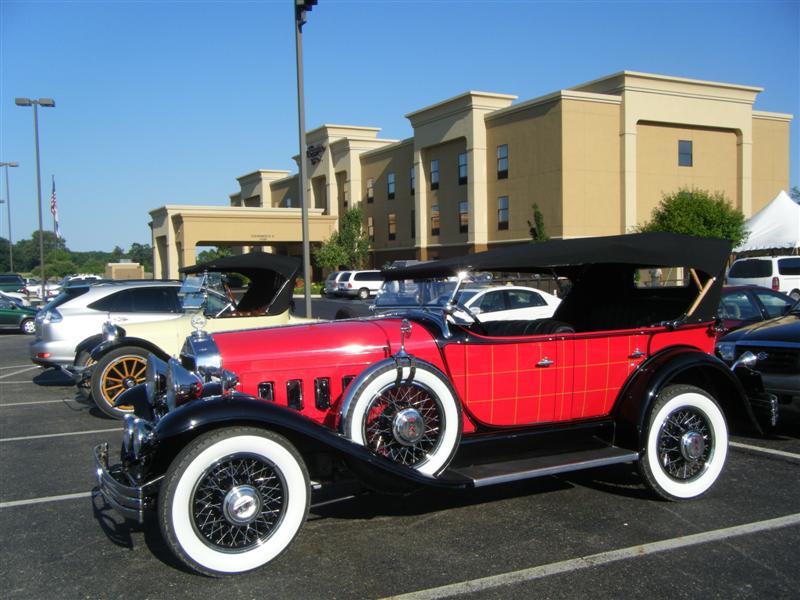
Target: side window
(152, 300)
(4, 303)
(121, 301)
(774, 304)
(789, 266)
(738, 306)
(493, 302)
(524, 299)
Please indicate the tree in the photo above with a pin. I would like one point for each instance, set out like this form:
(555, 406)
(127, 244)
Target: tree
(211, 254)
(795, 194)
(348, 247)
(26, 252)
(142, 254)
(698, 212)
(536, 228)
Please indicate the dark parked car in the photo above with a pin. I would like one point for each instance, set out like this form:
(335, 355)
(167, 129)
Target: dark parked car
(14, 316)
(226, 441)
(746, 304)
(12, 282)
(776, 344)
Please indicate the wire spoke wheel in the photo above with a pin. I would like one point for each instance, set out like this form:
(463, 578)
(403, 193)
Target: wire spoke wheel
(238, 503)
(404, 423)
(685, 444)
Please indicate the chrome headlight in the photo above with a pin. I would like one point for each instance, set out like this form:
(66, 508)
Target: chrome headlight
(229, 381)
(142, 435)
(181, 385)
(111, 331)
(202, 356)
(128, 433)
(155, 378)
(726, 351)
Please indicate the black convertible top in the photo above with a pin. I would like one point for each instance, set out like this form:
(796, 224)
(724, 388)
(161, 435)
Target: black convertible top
(271, 278)
(656, 249)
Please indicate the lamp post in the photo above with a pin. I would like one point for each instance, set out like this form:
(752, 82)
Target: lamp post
(300, 9)
(8, 206)
(47, 103)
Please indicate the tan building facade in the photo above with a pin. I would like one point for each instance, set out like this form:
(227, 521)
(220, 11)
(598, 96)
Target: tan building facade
(596, 159)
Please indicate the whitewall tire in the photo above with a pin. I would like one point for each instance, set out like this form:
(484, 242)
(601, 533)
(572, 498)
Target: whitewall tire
(233, 500)
(416, 423)
(685, 444)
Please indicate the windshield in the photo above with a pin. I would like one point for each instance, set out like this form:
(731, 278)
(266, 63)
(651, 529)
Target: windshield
(415, 293)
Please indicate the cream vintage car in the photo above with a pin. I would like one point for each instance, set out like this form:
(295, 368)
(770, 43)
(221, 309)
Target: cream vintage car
(118, 359)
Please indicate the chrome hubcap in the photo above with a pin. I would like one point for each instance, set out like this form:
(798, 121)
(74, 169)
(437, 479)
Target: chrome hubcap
(692, 445)
(241, 505)
(408, 426)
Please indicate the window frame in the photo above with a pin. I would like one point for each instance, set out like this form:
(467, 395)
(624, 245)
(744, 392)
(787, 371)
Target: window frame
(435, 217)
(463, 168)
(683, 155)
(502, 161)
(435, 174)
(412, 179)
(391, 226)
(502, 225)
(463, 217)
(370, 190)
(371, 228)
(390, 185)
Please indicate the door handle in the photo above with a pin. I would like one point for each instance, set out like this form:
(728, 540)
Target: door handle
(636, 354)
(119, 319)
(545, 362)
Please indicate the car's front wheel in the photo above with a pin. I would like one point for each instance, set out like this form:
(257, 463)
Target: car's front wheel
(28, 327)
(114, 373)
(233, 500)
(685, 445)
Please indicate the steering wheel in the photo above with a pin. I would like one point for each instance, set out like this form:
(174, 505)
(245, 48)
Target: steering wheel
(477, 326)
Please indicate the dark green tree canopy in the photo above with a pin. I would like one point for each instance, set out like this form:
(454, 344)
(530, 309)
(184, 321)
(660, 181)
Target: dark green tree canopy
(348, 247)
(698, 212)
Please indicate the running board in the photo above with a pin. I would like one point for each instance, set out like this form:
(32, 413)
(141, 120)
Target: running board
(542, 466)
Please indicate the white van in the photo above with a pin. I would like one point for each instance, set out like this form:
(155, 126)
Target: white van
(360, 283)
(779, 273)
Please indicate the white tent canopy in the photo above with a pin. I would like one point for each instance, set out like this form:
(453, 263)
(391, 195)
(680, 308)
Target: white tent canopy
(774, 227)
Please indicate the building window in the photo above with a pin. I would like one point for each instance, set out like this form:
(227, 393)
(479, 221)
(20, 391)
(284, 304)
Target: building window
(370, 190)
(502, 213)
(463, 217)
(288, 202)
(390, 186)
(462, 168)
(434, 174)
(413, 224)
(392, 221)
(684, 153)
(412, 180)
(435, 219)
(502, 161)
(371, 229)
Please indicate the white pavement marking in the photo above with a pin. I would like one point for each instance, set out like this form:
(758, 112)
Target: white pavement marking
(13, 367)
(9, 382)
(52, 435)
(18, 372)
(780, 453)
(594, 560)
(36, 402)
(45, 499)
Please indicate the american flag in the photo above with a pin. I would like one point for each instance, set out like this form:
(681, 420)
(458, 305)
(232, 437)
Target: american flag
(54, 209)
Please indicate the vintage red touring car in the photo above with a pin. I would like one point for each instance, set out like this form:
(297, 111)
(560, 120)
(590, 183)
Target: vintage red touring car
(227, 440)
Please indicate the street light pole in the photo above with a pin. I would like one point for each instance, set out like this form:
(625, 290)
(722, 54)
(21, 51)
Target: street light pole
(8, 206)
(301, 7)
(49, 103)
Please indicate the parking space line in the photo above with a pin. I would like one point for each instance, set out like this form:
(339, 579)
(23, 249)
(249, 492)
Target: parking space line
(13, 367)
(602, 558)
(30, 368)
(13, 503)
(36, 402)
(10, 382)
(52, 435)
(772, 451)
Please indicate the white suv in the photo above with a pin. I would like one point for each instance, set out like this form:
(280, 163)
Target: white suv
(360, 283)
(79, 313)
(779, 273)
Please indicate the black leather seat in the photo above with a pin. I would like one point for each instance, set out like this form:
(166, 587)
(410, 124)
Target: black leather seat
(526, 328)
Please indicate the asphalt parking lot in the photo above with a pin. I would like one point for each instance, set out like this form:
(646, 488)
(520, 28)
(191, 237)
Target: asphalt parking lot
(589, 534)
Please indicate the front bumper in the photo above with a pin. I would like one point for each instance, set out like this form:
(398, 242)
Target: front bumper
(119, 489)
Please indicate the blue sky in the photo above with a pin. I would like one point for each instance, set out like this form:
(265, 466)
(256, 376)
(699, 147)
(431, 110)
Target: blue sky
(168, 102)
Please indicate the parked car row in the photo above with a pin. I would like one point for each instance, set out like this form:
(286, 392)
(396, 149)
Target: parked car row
(226, 439)
(353, 284)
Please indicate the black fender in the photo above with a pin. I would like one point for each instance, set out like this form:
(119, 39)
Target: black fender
(107, 346)
(678, 364)
(179, 427)
(89, 344)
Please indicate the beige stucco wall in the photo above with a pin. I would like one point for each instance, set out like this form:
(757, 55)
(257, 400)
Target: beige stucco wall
(449, 194)
(283, 189)
(770, 157)
(129, 270)
(535, 168)
(714, 165)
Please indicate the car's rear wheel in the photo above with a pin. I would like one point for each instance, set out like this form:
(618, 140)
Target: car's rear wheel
(233, 500)
(28, 327)
(115, 372)
(685, 444)
(413, 420)
(795, 295)
(363, 293)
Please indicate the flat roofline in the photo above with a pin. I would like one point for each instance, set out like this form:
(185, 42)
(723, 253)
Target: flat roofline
(388, 147)
(554, 97)
(657, 77)
(260, 172)
(772, 116)
(335, 126)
